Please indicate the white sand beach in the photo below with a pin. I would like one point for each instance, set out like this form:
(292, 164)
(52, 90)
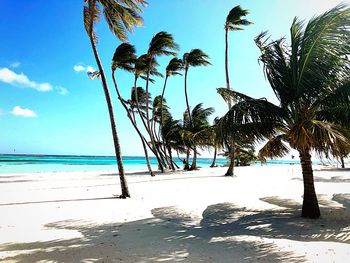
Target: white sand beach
(198, 216)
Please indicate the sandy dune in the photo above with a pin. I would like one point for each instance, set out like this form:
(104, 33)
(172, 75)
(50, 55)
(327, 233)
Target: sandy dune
(197, 216)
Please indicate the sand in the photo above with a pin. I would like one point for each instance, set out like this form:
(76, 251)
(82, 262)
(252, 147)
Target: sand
(198, 216)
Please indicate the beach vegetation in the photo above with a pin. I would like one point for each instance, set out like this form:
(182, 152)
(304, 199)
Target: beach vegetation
(121, 17)
(234, 22)
(310, 78)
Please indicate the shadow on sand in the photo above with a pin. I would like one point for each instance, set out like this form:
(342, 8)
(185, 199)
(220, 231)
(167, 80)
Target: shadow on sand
(224, 233)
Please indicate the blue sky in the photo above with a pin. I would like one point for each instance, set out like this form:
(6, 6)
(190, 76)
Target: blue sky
(47, 107)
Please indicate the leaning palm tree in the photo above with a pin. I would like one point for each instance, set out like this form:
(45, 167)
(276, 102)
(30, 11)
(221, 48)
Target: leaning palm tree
(124, 58)
(173, 68)
(311, 80)
(194, 58)
(162, 43)
(121, 16)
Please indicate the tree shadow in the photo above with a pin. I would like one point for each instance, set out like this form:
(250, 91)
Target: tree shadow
(333, 179)
(223, 233)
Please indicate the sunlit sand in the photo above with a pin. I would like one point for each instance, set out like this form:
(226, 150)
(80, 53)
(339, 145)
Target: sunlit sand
(198, 216)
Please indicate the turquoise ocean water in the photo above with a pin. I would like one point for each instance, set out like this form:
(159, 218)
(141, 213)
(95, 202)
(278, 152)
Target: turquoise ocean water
(71, 163)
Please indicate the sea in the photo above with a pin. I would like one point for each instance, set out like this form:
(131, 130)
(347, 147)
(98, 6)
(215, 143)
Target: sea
(15, 163)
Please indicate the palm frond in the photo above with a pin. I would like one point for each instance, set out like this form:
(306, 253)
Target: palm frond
(235, 18)
(175, 65)
(162, 43)
(274, 148)
(122, 16)
(124, 57)
(196, 57)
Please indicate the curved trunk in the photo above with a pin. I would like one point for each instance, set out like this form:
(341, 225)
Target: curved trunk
(214, 158)
(123, 182)
(310, 204)
(161, 101)
(171, 158)
(230, 170)
(146, 125)
(187, 103)
(160, 162)
(134, 124)
(161, 109)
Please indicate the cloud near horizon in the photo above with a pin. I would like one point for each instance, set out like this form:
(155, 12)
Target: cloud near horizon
(20, 80)
(22, 112)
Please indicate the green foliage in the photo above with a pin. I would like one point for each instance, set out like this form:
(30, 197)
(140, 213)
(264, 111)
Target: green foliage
(311, 81)
(195, 58)
(235, 20)
(121, 15)
(162, 43)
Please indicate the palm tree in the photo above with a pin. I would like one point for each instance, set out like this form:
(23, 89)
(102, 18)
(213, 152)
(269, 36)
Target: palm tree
(124, 58)
(171, 134)
(121, 16)
(234, 21)
(311, 81)
(175, 65)
(162, 43)
(194, 58)
(196, 132)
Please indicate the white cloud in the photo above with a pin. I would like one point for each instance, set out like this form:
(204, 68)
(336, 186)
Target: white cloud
(90, 69)
(79, 68)
(18, 111)
(62, 91)
(15, 64)
(21, 80)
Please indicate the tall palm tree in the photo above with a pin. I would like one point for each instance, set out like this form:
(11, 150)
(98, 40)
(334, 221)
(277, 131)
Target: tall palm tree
(124, 58)
(144, 68)
(234, 22)
(162, 43)
(121, 16)
(311, 80)
(173, 68)
(194, 58)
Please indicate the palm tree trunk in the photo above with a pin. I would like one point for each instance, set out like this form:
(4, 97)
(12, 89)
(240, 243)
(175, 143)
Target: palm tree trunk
(226, 65)
(171, 158)
(194, 160)
(230, 170)
(187, 160)
(161, 101)
(145, 123)
(187, 103)
(342, 161)
(123, 182)
(310, 204)
(160, 164)
(161, 108)
(132, 120)
(214, 159)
